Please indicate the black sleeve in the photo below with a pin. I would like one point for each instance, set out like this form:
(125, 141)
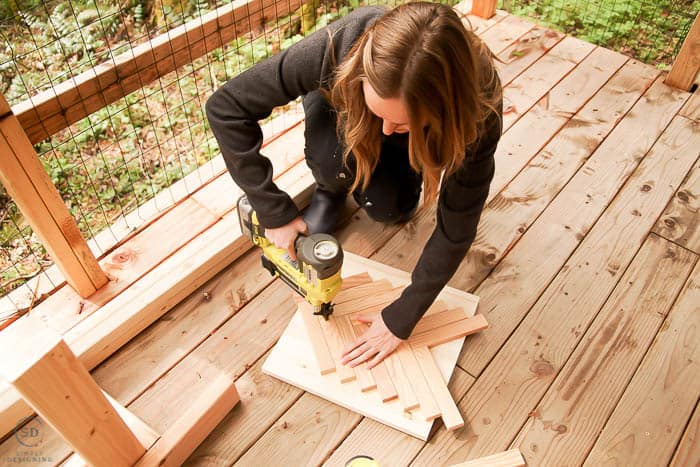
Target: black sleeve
(462, 198)
(234, 109)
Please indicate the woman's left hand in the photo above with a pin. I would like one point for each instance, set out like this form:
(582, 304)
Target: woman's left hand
(376, 343)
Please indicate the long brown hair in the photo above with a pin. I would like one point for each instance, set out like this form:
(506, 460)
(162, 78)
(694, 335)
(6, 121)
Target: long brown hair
(422, 54)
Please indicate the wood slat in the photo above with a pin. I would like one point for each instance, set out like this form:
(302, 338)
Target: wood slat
(364, 377)
(547, 244)
(680, 222)
(535, 82)
(428, 405)
(326, 363)
(337, 339)
(449, 332)
(585, 393)
(686, 66)
(53, 110)
(531, 358)
(53, 381)
(517, 57)
(691, 109)
(356, 280)
(449, 412)
(367, 304)
(349, 293)
(506, 32)
(432, 321)
(402, 383)
(385, 385)
(688, 450)
(663, 388)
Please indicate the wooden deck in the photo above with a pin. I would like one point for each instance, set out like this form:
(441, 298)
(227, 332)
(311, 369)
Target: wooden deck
(586, 265)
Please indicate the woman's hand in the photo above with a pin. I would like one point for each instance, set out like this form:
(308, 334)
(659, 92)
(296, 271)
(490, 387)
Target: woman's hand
(376, 343)
(284, 237)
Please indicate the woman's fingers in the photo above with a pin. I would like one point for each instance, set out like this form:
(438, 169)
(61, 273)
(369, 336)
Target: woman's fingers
(366, 355)
(377, 359)
(353, 346)
(354, 353)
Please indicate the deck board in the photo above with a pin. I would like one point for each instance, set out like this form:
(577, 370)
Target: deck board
(597, 157)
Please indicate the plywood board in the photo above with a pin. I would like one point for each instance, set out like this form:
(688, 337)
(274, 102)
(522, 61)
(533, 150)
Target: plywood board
(292, 359)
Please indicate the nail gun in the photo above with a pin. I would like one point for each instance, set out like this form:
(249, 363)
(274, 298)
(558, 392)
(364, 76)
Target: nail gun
(316, 273)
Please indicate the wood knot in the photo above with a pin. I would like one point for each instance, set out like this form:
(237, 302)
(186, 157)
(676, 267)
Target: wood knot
(561, 429)
(670, 223)
(683, 196)
(646, 187)
(542, 368)
(123, 257)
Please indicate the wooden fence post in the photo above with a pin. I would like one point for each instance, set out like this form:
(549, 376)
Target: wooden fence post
(687, 64)
(51, 379)
(25, 179)
(484, 8)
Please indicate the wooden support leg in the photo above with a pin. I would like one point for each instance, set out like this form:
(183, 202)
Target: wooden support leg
(484, 8)
(52, 380)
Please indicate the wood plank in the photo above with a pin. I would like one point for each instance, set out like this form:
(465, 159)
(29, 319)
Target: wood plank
(53, 110)
(51, 379)
(316, 421)
(535, 82)
(133, 310)
(194, 425)
(576, 407)
(506, 32)
(475, 23)
(521, 372)
(680, 222)
(5, 109)
(545, 247)
(517, 148)
(449, 412)
(385, 385)
(518, 57)
(691, 109)
(355, 281)
(688, 450)
(511, 458)
(317, 338)
(663, 388)
(30, 187)
(685, 68)
(387, 445)
(449, 332)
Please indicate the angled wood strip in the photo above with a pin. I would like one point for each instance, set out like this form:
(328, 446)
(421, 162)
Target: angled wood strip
(326, 363)
(368, 303)
(455, 330)
(347, 337)
(356, 280)
(407, 396)
(450, 414)
(364, 377)
(428, 405)
(336, 345)
(438, 306)
(512, 458)
(430, 322)
(386, 388)
(352, 291)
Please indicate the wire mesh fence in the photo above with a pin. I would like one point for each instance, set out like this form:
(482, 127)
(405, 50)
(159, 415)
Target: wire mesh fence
(121, 165)
(651, 31)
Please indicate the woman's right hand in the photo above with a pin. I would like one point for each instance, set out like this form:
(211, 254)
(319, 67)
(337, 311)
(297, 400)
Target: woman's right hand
(285, 236)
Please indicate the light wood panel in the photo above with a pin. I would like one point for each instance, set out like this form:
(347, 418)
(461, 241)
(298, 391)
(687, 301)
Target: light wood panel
(686, 66)
(30, 187)
(52, 380)
(517, 377)
(663, 388)
(576, 407)
(50, 111)
(688, 450)
(680, 222)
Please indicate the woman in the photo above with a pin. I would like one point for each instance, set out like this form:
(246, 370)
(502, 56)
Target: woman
(393, 100)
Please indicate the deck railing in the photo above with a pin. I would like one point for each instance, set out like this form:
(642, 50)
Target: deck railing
(43, 115)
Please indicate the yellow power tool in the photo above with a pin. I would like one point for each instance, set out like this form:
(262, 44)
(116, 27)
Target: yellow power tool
(316, 273)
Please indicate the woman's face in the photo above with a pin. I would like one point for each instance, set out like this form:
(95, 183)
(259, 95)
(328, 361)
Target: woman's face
(392, 111)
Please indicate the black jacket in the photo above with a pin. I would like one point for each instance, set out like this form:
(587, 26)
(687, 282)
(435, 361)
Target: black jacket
(235, 109)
